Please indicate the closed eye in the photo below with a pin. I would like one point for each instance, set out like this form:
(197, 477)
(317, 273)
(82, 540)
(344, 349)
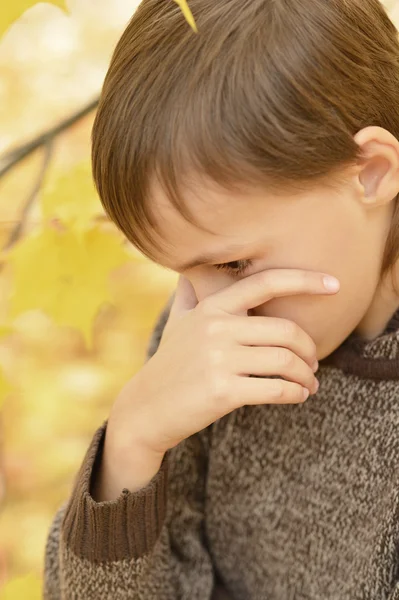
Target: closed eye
(236, 267)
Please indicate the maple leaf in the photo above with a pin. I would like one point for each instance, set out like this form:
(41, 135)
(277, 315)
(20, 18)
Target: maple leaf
(72, 198)
(65, 274)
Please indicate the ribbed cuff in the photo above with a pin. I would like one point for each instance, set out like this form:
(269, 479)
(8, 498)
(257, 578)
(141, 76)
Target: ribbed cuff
(127, 527)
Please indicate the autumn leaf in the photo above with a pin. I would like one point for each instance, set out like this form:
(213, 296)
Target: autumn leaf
(187, 14)
(22, 588)
(65, 275)
(11, 10)
(72, 198)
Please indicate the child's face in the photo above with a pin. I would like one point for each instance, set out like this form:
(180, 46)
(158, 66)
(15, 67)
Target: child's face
(336, 232)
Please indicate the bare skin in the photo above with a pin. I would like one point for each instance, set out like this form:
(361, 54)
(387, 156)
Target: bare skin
(201, 370)
(340, 232)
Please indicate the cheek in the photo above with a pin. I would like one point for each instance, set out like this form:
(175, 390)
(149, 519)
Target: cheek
(205, 285)
(328, 320)
(345, 252)
(313, 314)
(309, 312)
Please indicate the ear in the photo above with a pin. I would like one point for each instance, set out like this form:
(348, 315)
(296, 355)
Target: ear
(378, 169)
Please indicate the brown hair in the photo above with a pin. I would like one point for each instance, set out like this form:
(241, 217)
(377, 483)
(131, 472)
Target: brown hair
(267, 91)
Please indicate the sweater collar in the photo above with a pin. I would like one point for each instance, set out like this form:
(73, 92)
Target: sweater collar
(376, 359)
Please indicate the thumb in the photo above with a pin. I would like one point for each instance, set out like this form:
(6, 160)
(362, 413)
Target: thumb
(184, 298)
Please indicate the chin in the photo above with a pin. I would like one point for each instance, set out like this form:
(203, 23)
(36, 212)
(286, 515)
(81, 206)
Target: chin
(327, 347)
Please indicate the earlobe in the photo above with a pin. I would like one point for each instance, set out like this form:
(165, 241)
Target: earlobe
(378, 169)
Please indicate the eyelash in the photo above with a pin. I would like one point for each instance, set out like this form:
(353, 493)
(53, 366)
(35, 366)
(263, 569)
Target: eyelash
(243, 265)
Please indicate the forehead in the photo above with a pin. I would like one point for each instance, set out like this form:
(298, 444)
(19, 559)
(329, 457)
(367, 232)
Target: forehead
(215, 209)
(250, 217)
(223, 218)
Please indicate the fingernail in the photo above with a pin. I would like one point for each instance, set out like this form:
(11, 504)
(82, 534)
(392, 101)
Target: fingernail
(331, 283)
(315, 366)
(305, 393)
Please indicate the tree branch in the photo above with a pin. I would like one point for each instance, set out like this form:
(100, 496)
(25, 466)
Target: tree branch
(18, 229)
(15, 156)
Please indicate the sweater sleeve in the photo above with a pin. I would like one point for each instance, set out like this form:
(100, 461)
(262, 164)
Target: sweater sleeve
(149, 544)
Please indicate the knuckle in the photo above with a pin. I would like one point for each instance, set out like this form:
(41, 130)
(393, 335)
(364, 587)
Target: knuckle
(204, 307)
(285, 358)
(214, 327)
(215, 358)
(262, 283)
(313, 347)
(290, 329)
(219, 389)
(264, 280)
(277, 389)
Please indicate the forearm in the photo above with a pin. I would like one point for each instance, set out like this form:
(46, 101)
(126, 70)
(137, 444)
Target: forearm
(121, 548)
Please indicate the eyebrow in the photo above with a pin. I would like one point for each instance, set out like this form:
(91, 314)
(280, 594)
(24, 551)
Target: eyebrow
(203, 259)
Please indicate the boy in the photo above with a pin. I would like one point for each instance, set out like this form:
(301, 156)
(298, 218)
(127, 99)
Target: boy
(255, 158)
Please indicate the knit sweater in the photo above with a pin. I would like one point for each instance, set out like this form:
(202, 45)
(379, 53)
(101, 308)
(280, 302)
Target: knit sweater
(270, 502)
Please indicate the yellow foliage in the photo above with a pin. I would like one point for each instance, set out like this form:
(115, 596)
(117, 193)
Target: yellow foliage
(5, 388)
(5, 330)
(72, 198)
(10, 11)
(187, 14)
(28, 587)
(65, 274)
(62, 269)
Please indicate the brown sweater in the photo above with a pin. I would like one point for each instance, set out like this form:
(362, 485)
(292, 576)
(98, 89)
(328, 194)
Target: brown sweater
(286, 502)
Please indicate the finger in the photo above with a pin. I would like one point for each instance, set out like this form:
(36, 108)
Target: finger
(251, 391)
(185, 298)
(252, 360)
(261, 287)
(275, 331)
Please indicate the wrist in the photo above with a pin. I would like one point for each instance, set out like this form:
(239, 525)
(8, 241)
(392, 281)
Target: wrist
(117, 472)
(123, 464)
(130, 423)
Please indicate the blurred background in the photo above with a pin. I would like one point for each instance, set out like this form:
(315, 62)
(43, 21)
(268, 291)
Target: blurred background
(57, 386)
(64, 355)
